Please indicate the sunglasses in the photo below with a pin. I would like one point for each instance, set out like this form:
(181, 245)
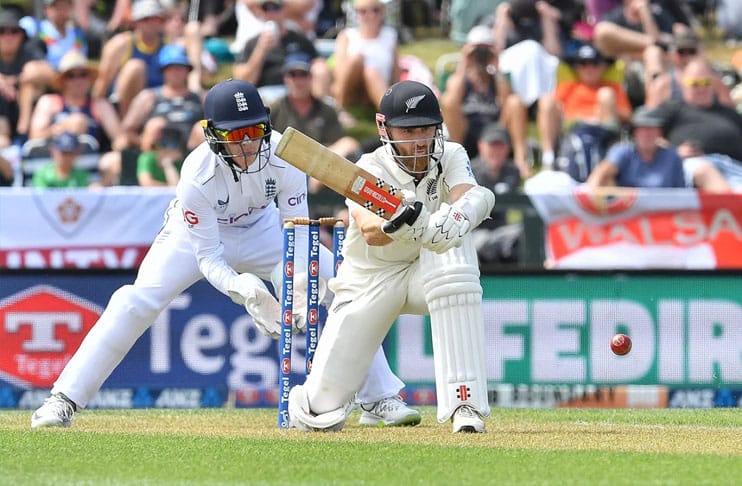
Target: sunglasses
(10, 31)
(253, 132)
(76, 74)
(271, 7)
(364, 11)
(687, 52)
(698, 82)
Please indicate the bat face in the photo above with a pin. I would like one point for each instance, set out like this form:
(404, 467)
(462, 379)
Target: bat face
(338, 173)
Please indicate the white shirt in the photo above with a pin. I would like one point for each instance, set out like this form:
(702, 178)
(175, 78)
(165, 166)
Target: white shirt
(454, 169)
(214, 204)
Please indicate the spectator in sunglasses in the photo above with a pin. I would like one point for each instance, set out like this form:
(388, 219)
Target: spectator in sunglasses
(70, 106)
(702, 129)
(666, 85)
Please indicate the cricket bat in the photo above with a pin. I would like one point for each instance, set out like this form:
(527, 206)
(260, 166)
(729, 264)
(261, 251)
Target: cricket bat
(345, 178)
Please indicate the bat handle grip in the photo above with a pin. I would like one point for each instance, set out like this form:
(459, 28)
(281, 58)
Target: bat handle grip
(409, 215)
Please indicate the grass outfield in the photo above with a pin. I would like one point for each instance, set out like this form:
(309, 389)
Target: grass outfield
(219, 446)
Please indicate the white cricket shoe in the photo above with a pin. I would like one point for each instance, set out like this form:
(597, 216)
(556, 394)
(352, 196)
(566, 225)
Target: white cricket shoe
(390, 411)
(57, 411)
(466, 419)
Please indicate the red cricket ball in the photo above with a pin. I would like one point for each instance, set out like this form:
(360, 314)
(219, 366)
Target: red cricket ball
(621, 344)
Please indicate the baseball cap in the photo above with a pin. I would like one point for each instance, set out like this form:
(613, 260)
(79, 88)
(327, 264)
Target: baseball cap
(297, 61)
(494, 132)
(173, 55)
(480, 35)
(588, 53)
(685, 39)
(48, 3)
(142, 9)
(261, 2)
(66, 142)
(646, 117)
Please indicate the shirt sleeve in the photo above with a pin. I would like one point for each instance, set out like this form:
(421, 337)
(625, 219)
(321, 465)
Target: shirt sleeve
(203, 230)
(457, 169)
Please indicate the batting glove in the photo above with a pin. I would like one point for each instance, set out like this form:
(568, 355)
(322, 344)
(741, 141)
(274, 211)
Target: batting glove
(445, 229)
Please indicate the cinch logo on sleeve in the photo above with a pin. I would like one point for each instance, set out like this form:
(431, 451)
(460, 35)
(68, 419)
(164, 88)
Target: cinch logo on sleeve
(41, 328)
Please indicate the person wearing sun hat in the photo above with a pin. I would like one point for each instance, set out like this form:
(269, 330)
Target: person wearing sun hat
(75, 63)
(70, 106)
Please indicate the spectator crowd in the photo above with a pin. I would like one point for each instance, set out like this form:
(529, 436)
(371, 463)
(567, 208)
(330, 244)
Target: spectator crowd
(614, 92)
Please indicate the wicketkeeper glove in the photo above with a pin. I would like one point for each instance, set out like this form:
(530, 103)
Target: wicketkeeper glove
(248, 290)
(299, 312)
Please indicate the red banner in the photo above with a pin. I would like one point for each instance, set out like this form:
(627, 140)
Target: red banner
(637, 228)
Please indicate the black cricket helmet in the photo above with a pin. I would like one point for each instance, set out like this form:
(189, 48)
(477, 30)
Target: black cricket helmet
(235, 114)
(410, 104)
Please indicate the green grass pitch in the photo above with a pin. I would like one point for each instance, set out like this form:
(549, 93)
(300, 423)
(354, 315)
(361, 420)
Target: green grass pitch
(244, 446)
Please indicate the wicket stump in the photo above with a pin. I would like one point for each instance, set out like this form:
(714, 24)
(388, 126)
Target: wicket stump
(287, 299)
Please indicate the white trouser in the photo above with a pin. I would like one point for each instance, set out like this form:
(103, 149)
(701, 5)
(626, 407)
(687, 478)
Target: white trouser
(169, 268)
(364, 308)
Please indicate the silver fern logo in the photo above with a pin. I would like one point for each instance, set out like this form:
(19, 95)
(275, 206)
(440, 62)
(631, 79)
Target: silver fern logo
(239, 98)
(413, 102)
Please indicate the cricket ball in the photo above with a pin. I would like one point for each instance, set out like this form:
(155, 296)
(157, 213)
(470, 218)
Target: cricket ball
(621, 344)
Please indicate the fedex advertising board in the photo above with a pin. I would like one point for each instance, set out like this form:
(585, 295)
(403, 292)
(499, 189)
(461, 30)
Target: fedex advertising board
(547, 343)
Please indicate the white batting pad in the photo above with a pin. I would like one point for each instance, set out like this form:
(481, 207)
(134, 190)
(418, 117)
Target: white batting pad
(454, 296)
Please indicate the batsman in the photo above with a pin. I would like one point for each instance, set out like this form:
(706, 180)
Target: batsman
(427, 266)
